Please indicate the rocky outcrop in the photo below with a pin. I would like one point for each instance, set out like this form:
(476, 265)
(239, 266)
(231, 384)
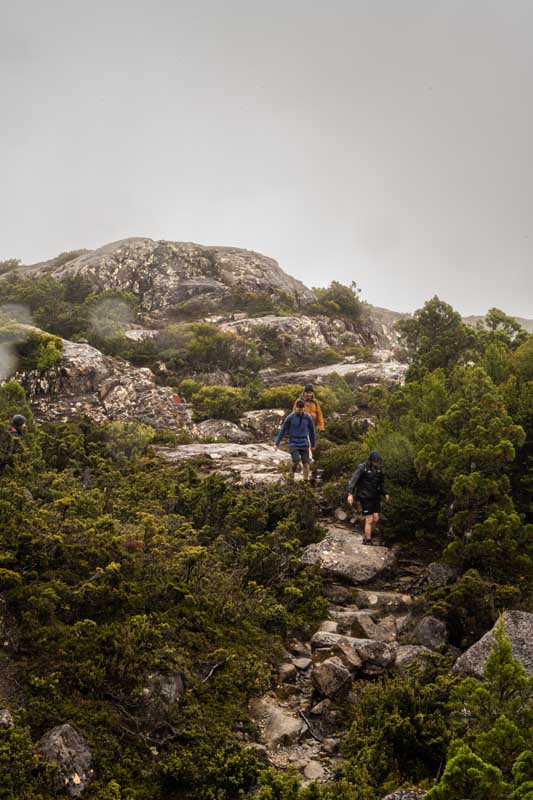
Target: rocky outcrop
(296, 335)
(257, 463)
(341, 554)
(519, 629)
(64, 746)
(263, 424)
(406, 794)
(389, 602)
(359, 374)
(165, 276)
(87, 382)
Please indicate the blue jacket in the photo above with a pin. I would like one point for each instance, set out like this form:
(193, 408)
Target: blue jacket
(301, 430)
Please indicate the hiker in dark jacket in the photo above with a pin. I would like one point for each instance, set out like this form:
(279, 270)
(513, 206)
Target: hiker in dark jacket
(18, 425)
(300, 429)
(367, 484)
(11, 440)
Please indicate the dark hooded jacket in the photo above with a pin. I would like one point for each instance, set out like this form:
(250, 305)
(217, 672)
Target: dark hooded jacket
(367, 482)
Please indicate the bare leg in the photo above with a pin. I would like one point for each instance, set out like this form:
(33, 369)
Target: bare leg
(306, 472)
(375, 520)
(368, 527)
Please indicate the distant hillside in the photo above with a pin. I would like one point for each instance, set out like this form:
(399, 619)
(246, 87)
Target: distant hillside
(527, 324)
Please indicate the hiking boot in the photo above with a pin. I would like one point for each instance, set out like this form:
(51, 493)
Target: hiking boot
(367, 541)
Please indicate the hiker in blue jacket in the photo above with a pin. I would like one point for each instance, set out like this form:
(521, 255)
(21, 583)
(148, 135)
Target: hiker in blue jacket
(301, 431)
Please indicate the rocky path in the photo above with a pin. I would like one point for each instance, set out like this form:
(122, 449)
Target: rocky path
(369, 631)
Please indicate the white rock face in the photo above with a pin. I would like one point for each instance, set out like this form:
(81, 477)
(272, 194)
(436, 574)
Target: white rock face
(341, 554)
(359, 374)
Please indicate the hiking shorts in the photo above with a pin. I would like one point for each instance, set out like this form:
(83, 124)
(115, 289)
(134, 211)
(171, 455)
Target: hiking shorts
(299, 454)
(370, 505)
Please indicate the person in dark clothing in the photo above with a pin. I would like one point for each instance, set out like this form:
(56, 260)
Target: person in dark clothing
(11, 440)
(367, 484)
(300, 429)
(18, 425)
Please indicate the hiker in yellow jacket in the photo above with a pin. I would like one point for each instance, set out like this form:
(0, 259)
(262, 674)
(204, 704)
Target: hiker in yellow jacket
(312, 407)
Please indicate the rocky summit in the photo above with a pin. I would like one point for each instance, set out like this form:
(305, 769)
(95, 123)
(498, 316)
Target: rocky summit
(167, 275)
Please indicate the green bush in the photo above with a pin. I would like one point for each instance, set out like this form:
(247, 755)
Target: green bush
(33, 350)
(338, 300)
(279, 396)
(219, 402)
(203, 347)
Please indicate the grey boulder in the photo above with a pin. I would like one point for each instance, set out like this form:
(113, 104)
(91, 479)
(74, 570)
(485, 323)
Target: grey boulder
(431, 632)
(64, 746)
(330, 677)
(519, 628)
(341, 554)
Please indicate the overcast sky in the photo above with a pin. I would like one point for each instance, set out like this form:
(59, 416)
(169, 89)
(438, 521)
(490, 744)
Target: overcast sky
(387, 142)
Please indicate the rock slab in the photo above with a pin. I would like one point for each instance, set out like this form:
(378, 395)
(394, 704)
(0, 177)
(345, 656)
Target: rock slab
(257, 463)
(519, 628)
(341, 554)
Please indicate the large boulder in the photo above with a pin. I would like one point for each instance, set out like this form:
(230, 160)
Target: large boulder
(165, 276)
(64, 746)
(253, 463)
(519, 628)
(341, 554)
(222, 430)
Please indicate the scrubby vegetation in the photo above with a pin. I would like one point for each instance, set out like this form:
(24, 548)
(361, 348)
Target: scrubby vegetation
(33, 350)
(115, 566)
